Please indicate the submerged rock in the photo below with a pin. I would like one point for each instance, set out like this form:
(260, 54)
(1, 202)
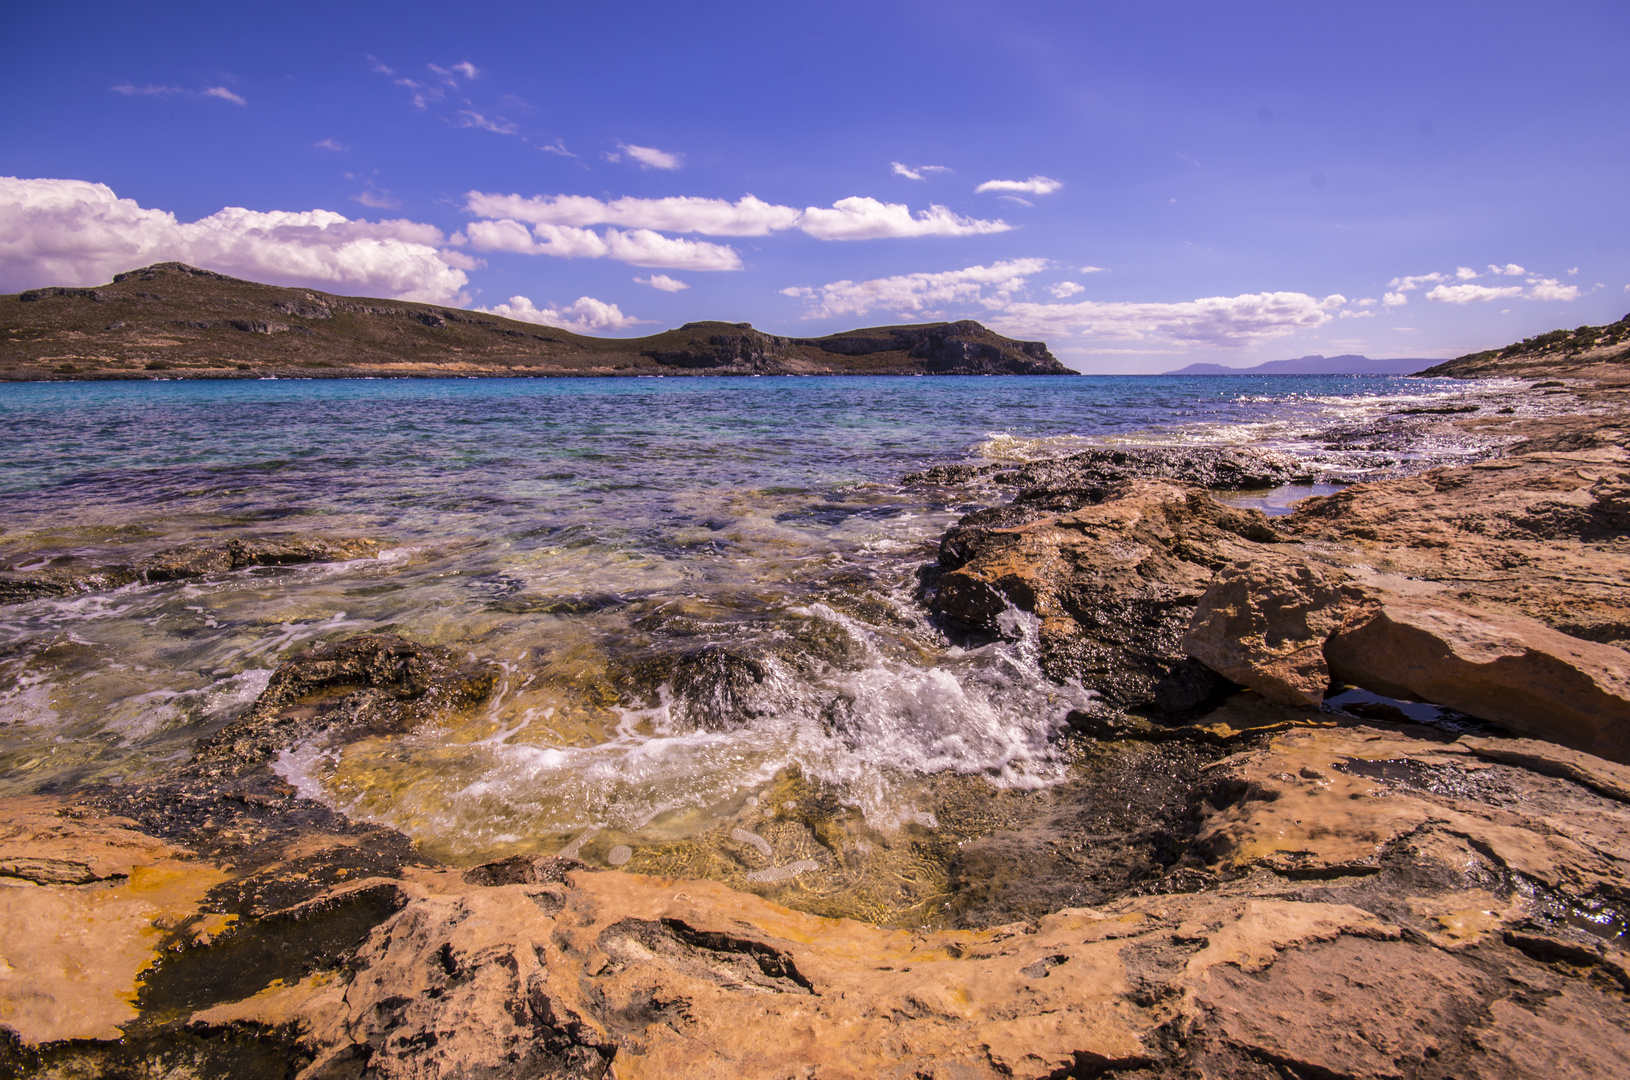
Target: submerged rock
(71, 576)
(365, 685)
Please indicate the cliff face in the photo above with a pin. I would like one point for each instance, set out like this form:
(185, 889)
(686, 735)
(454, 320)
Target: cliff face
(171, 320)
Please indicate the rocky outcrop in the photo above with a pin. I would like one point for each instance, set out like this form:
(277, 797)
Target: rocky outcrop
(1448, 912)
(370, 684)
(1112, 567)
(71, 576)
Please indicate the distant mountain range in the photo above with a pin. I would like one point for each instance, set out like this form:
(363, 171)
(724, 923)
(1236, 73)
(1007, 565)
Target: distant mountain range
(1315, 365)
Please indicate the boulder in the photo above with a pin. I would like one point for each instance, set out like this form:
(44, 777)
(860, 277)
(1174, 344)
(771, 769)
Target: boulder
(1513, 671)
(1264, 624)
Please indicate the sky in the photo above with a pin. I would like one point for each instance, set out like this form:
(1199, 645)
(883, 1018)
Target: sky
(1140, 184)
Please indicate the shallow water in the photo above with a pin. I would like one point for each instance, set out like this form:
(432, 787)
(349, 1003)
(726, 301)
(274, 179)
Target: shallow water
(701, 591)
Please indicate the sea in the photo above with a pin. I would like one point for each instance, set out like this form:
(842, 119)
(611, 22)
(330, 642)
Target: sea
(611, 545)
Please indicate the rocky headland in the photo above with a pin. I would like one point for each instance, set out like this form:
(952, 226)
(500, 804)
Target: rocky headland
(172, 321)
(1353, 800)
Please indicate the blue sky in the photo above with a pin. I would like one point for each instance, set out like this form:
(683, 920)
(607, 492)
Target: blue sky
(1139, 184)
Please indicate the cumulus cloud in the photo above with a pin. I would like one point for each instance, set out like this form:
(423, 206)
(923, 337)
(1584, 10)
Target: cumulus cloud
(638, 247)
(1410, 284)
(649, 157)
(1551, 289)
(909, 295)
(225, 95)
(1066, 288)
(917, 173)
(864, 218)
(747, 216)
(1508, 270)
(1465, 273)
(329, 144)
(1215, 320)
(855, 218)
(1036, 185)
(585, 316)
(993, 290)
(73, 232)
(1094, 269)
(1468, 294)
(663, 282)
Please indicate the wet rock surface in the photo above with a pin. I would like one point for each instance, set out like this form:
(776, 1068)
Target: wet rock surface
(46, 575)
(1449, 904)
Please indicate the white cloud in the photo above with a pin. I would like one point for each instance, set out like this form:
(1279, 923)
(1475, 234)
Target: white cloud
(1394, 299)
(1094, 269)
(1573, 271)
(1016, 200)
(637, 247)
(585, 316)
(663, 282)
(1218, 320)
(131, 90)
(909, 295)
(465, 68)
(1215, 320)
(1368, 301)
(748, 216)
(469, 118)
(650, 157)
(557, 147)
(642, 247)
(73, 232)
(1066, 288)
(1410, 284)
(1465, 273)
(224, 94)
(863, 218)
(1036, 185)
(1467, 294)
(916, 173)
(1508, 270)
(329, 144)
(855, 218)
(379, 200)
(1551, 289)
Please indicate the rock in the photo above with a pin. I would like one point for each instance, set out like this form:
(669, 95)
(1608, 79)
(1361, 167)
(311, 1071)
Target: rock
(1370, 904)
(1264, 625)
(368, 684)
(194, 561)
(1215, 467)
(1113, 574)
(70, 576)
(715, 689)
(1510, 670)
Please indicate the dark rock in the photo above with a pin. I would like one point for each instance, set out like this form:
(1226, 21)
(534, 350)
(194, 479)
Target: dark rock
(715, 689)
(523, 870)
(365, 685)
(1220, 468)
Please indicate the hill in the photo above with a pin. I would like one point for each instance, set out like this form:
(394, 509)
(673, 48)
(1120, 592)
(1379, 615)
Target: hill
(171, 320)
(1313, 365)
(1587, 351)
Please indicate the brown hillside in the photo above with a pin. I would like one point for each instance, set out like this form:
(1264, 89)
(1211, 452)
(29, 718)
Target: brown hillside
(171, 320)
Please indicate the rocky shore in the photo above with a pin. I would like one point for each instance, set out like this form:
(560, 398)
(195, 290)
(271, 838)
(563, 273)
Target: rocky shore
(1353, 800)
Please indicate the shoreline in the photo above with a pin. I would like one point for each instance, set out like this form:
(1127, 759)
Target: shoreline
(1295, 852)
